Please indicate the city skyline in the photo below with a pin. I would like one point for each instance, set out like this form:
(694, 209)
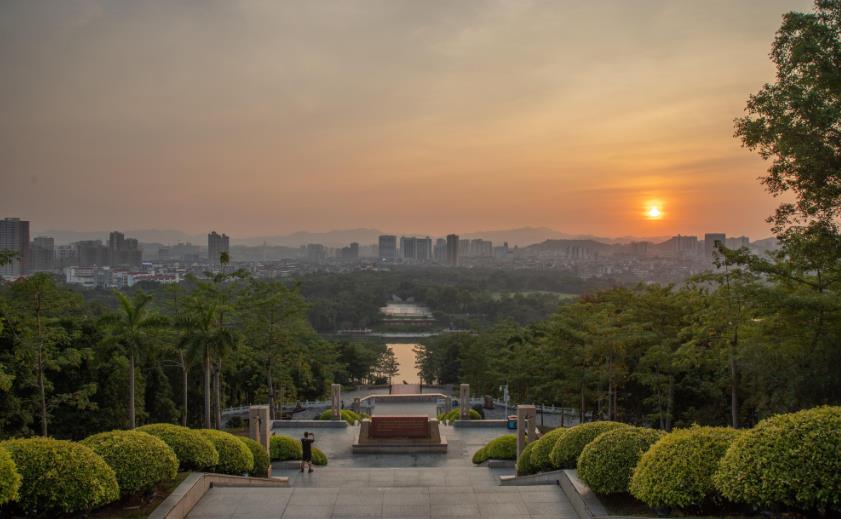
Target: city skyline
(483, 116)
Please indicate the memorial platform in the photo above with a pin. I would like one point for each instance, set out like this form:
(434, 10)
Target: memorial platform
(400, 434)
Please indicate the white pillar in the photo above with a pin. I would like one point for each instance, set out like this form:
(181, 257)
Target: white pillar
(464, 401)
(526, 418)
(336, 396)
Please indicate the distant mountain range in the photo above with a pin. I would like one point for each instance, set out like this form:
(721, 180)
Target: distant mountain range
(521, 237)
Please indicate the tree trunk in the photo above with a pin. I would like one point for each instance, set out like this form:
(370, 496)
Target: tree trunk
(271, 392)
(131, 411)
(670, 400)
(734, 397)
(581, 409)
(207, 424)
(42, 391)
(219, 395)
(184, 382)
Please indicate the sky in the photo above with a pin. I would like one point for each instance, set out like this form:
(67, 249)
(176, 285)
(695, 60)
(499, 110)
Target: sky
(266, 117)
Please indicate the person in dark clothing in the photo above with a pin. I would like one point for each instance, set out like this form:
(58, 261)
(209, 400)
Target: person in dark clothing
(306, 448)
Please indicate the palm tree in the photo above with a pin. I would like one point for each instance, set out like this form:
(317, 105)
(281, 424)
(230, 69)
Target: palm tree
(131, 327)
(205, 336)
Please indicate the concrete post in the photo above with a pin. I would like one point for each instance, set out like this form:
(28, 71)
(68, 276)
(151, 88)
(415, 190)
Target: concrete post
(260, 425)
(336, 397)
(464, 401)
(526, 418)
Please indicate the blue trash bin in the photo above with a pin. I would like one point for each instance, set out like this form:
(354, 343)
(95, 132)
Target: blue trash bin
(512, 423)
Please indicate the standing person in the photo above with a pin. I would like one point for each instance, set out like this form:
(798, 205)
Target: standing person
(306, 448)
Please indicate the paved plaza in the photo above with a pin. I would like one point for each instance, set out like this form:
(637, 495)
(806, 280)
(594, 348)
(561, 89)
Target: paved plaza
(405, 486)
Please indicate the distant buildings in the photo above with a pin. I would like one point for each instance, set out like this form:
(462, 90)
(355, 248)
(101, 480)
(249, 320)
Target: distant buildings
(737, 243)
(712, 241)
(123, 252)
(316, 252)
(42, 254)
(216, 245)
(14, 236)
(388, 246)
(350, 252)
(452, 250)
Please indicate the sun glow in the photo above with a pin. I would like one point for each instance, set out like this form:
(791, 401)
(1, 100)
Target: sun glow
(654, 212)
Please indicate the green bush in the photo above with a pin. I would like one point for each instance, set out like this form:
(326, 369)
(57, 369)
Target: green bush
(540, 459)
(793, 460)
(347, 415)
(318, 457)
(568, 447)
(606, 463)
(193, 450)
(524, 465)
(454, 414)
(285, 448)
(234, 457)
(9, 478)
(139, 460)
(677, 470)
(60, 477)
(502, 448)
(261, 457)
(480, 456)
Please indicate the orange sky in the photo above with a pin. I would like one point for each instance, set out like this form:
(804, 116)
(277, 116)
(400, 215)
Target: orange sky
(259, 118)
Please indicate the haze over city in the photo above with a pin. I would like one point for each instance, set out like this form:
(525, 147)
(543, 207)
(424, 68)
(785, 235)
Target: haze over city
(266, 118)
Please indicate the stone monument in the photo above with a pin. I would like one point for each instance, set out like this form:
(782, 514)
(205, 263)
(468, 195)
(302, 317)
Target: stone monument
(464, 401)
(336, 401)
(260, 427)
(526, 421)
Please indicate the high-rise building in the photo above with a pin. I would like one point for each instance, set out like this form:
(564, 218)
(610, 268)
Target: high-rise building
(316, 252)
(388, 246)
(351, 252)
(737, 243)
(216, 245)
(480, 248)
(440, 251)
(685, 244)
(452, 249)
(408, 248)
(712, 241)
(92, 253)
(122, 251)
(424, 248)
(14, 236)
(42, 254)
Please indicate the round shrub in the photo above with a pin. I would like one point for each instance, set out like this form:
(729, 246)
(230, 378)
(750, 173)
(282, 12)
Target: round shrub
(793, 460)
(540, 459)
(606, 463)
(234, 457)
(261, 457)
(524, 465)
(568, 447)
(61, 477)
(193, 450)
(502, 448)
(677, 470)
(318, 457)
(285, 448)
(455, 414)
(9, 478)
(480, 456)
(347, 415)
(139, 460)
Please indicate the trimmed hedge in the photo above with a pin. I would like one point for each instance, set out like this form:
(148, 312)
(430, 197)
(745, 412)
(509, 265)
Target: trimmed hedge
(60, 477)
(524, 465)
(139, 460)
(677, 471)
(234, 457)
(285, 448)
(318, 457)
(568, 447)
(792, 460)
(193, 450)
(502, 448)
(9, 477)
(540, 460)
(454, 414)
(260, 455)
(347, 415)
(606, 463)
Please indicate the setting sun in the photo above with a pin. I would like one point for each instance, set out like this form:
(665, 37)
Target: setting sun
(654, 213)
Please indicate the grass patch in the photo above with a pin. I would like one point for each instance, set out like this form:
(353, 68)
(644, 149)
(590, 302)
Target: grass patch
(139, 507)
